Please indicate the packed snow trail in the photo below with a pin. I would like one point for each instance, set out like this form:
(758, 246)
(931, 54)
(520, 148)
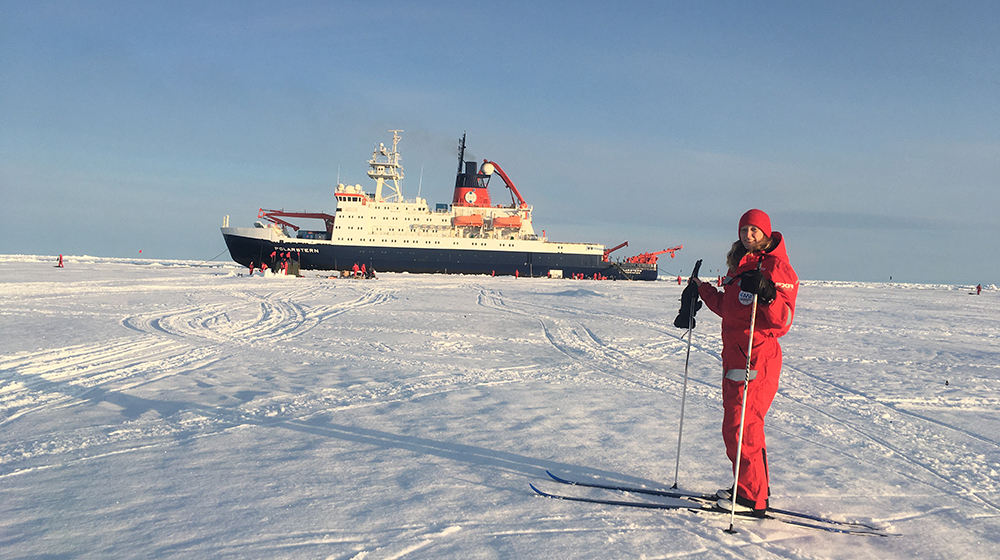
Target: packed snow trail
(178, 409)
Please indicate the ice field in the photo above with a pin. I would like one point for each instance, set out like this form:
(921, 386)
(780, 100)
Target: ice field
(175, 409)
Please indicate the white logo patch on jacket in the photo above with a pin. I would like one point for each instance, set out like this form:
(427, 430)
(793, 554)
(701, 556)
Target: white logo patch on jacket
(746, 298)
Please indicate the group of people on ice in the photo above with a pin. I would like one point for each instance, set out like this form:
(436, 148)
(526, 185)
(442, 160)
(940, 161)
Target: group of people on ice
(280, 263)
(363, 271)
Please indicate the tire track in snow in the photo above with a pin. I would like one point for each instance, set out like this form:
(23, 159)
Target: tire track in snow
(872, 415)
(375, 393)
(166, 343)
(674, 341)
(173, 333)
(583, 346)
(254, 318)
(853, 413)
(173, 341)
(40, 380)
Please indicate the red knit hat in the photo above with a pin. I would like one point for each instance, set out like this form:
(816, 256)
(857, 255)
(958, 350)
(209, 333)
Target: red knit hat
(757, 218)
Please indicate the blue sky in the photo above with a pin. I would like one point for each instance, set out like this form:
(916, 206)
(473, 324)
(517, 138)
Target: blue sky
(869, 131)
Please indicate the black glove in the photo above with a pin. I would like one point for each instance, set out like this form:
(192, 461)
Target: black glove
(754, 282)
(690, 304)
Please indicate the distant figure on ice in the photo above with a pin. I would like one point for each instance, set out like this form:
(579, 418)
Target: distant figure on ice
(979, 287)
(758, 265)
(60, 265)
(356, 270)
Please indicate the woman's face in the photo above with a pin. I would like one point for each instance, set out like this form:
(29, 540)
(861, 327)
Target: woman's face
(752, 237)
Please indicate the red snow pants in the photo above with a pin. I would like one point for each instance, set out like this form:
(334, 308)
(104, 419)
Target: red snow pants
(753, 483)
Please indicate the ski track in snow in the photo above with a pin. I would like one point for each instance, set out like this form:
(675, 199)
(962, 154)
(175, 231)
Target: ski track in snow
(171, 343)
(261, 319)
(186, 339)
(35, 381)
(579, 343)
(201, 330)
(853, 411)
(897, 434)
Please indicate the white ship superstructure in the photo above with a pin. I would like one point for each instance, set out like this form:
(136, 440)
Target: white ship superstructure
(389, 233)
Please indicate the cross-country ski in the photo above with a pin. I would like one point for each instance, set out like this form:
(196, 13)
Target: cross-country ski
(683, 504)
(701, 498)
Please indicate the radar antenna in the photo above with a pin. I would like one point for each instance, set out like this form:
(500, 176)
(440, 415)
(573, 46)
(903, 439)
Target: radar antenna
(386, 166)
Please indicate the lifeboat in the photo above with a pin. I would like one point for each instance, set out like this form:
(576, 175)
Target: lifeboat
(475, 220)
(507, 222)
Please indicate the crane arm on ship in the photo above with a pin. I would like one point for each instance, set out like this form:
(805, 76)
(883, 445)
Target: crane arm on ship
(651, 258)
(608, 252)
(510, 184)
(274, 216)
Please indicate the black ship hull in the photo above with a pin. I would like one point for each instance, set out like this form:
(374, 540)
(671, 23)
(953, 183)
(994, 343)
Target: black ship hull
(330, 256)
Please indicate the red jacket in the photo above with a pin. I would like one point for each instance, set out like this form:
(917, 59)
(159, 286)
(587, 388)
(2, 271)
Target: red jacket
(773, 320)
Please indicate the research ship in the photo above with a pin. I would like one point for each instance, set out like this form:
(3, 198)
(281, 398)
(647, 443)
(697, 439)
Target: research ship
(387, 233)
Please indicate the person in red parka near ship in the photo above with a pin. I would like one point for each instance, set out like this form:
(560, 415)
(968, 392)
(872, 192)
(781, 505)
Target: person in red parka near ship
(758, 264)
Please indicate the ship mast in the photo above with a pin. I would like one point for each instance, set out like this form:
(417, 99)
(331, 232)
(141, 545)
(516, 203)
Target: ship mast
(388, 168)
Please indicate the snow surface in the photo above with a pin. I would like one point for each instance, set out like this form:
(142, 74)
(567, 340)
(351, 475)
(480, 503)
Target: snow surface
(169, 409)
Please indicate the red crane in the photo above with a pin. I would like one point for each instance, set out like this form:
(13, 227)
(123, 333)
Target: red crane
(651, 258)
(613, 249)
(275, 216)
(510, 184)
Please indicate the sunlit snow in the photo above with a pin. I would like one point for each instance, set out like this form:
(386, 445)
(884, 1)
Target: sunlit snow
(173, 409)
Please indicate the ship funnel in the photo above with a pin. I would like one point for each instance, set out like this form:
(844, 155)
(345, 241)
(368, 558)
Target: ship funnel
(469, 189)
(470, 174)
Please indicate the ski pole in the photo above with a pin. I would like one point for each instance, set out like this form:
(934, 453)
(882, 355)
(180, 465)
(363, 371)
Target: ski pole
(743, 414)
(687, 358)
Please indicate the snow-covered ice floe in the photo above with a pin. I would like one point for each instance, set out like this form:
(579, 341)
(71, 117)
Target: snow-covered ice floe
(180, 409)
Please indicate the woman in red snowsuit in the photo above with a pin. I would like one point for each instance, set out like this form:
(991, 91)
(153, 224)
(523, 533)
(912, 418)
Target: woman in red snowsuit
(758, 264)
